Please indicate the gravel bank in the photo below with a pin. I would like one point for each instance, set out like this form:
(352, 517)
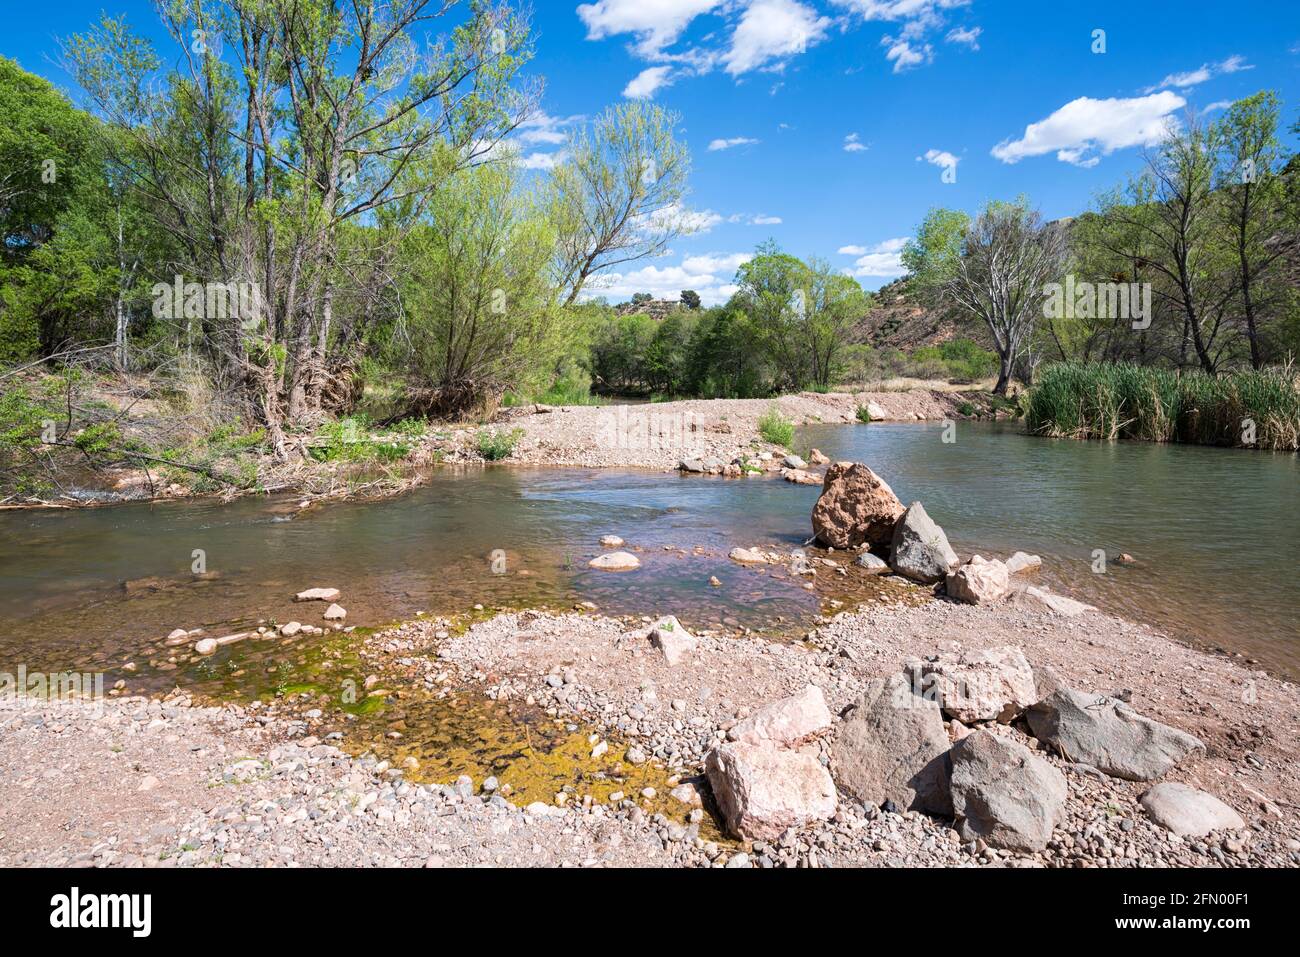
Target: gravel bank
(169, 783)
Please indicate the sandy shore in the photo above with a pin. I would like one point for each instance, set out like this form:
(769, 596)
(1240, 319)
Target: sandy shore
(166, 783)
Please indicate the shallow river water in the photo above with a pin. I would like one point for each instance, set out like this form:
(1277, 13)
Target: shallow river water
(1216, 534)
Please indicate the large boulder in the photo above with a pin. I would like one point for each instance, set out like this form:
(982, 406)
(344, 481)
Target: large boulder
(893, 747)
(1004, 794)
(979, 582)
(919, 549)
(1189, 812)
(1094, 729)
(856, 507)
(970, 686)
(785, 722)
(762, 790)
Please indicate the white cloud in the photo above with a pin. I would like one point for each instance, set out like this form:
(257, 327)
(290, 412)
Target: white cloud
(1217, 105)
(542, 128)
(904, 56)
(968, 37)
(655, 23)
(717, 145)
(884, 260)
(1085, 127)
(648, 82)
(772, 30)
(710, 275)
(853, 144)
(940, 158)
(688, 220)
(766, 221)
(919, 18)
(1233, 64)
(542, 160)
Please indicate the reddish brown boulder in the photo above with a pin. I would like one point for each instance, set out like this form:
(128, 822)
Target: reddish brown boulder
(856, 507)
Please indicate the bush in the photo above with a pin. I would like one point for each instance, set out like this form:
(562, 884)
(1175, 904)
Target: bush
(1126, 401)
(495, 445)
(776, 428)
(864, 414)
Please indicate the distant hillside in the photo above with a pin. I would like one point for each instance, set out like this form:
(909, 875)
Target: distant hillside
(898, 320)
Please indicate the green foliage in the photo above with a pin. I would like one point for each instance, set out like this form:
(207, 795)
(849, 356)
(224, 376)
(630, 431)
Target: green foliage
(1126, 401)
(351, 440)
(497, 444)
(864, 415)
(775, 427)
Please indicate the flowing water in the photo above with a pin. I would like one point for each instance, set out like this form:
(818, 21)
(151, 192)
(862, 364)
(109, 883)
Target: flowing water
(1216, 534)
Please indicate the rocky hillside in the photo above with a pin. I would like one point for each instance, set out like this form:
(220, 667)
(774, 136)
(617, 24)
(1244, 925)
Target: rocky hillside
(899, 320)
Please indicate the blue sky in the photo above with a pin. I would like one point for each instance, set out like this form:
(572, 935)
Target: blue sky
(828, 125)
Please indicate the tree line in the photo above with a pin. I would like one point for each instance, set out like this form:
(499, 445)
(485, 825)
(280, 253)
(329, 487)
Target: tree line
(1190, 264)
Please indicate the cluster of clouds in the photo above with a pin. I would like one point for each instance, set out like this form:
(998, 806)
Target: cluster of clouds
(712, 275)
(1086, 129)
(760, 35)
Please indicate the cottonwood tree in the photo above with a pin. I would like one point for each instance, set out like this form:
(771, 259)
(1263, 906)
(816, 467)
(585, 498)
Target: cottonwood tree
(1250, 207)
(996, 269)
(282, 122)
(618, 196)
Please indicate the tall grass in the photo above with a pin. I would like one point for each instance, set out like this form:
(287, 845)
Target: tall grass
(1124, 401)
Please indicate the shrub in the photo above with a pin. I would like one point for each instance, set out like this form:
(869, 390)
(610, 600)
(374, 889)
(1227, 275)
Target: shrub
(776, 428)
(864, 414)
(495, 445)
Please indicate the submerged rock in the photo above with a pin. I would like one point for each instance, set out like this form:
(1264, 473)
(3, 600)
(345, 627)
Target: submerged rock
(920, 550)
(1003, 794)
(1094, 729)
(317, 594)
(785, 722)
(857, 507)
(1189, 812)
(1057, 603)
(748, 556)
(872, 563)
(762, 790)
(893, 747)
(615, 562)
(611, 541)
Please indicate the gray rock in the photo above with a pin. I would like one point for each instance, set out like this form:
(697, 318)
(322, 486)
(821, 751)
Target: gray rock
(691, 465)
(794, 462)
(873, 564)
(894, 747)
(1003, 794)
(1106, 733)
(920, 550)
(1189, 812)
(995, 684)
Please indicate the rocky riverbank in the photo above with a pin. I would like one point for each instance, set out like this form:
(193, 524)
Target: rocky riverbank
(165, 783)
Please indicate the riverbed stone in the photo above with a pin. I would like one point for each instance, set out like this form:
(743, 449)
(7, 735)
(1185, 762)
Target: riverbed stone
(335, 613)
(1188, 812)
(800, 477)
(763, 790)
(996, 684)
(1106, 733)
(1060, 604)
(206, 646)
(1022, 563)
(979, 582)
(785, 722)
(1003, 794)
(317, 594)
(676, 643)
(793, 461)
(894, 747)
(748, 556)
(919, 549)
(615, 562)
(856, 507)
(695, 466)
(874, 564)
(611, 541)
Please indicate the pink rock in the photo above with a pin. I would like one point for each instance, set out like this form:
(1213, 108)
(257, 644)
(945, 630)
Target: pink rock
(763, 790)
(856, 507)
(979, 582)
(785, 722)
